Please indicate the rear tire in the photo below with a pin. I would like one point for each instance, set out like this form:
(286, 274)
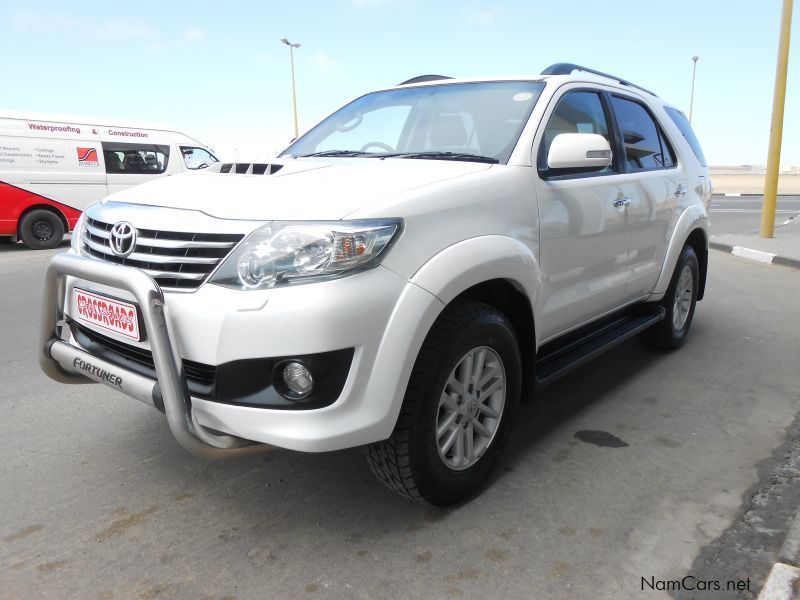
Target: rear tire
(463, 391)
(679, 303)
(41, 229)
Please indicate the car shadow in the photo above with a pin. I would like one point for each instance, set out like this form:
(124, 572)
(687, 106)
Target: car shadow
(566, 398)
(8, 248)
(336, 490)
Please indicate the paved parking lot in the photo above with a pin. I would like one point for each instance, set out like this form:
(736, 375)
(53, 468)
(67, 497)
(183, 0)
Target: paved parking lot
(99, 502)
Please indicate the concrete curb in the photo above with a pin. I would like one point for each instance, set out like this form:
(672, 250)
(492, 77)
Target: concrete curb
(783, 581)
(790, 550)
(756, 255)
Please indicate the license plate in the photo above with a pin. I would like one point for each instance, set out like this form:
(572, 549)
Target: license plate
(107, 313)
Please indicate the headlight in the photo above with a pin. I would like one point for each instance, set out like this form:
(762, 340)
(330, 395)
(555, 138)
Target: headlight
(77, 233)
(285, 253)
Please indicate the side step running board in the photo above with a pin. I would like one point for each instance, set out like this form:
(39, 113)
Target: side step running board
(578, 348)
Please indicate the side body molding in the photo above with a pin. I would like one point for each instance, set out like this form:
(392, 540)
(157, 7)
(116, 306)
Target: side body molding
(694, 217)
(479, 259)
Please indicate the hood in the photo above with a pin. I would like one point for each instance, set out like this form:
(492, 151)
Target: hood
(303, 189)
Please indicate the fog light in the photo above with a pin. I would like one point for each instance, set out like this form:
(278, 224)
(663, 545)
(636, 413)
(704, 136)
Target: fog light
(298, 379)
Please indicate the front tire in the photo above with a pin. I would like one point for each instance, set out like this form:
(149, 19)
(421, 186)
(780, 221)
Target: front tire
(458, 409)
(679, 303)
(41, 229)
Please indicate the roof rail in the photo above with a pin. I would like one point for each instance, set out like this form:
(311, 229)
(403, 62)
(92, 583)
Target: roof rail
(423, 78)
(568, 68)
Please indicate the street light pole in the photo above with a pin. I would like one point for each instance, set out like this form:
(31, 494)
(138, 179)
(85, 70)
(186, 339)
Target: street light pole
(691, 99)
(776, 127)
(294, 90)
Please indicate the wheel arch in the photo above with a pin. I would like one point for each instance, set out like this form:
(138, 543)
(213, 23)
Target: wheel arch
(698, 240)
(47, 207)
(497, 270)
(692, 229)
(507, 297)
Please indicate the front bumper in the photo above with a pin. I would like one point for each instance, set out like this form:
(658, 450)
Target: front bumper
(378, 314)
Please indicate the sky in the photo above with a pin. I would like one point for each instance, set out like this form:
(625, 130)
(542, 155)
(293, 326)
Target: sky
(218, 72)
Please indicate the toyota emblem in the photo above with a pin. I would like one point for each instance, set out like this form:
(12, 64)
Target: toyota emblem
(123, 239)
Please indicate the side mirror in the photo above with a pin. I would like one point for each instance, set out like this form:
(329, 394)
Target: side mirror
(579, 151)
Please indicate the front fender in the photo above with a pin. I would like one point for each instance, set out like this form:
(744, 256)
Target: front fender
(476, 260)
(694, 217)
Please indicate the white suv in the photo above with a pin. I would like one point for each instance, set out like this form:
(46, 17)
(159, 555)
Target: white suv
(400, 278)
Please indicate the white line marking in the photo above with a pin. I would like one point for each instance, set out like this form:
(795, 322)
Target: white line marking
(732, 195)
(753, 210)
(757, 255)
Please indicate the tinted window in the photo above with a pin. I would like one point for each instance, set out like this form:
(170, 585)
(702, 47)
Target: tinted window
(135, 159)
(577, 112)
(668, 155)
(686, 129)
(641, 137)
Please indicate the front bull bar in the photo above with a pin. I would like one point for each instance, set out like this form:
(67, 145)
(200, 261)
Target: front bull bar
(65, 363)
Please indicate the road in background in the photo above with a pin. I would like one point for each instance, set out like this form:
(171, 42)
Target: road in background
(625, 470)
(742, 214)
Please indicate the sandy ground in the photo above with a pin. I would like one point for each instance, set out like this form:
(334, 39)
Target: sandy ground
(753, 184)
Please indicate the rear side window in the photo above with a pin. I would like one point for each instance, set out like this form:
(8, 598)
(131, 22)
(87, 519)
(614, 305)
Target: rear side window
(646, 147)
(686, 129)
(135, 159)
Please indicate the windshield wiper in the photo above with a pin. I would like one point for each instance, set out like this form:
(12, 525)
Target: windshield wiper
(343, 153)
(438, 155)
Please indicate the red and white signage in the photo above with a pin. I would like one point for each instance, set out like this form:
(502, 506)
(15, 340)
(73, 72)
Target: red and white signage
(87, 157)
(100, 311)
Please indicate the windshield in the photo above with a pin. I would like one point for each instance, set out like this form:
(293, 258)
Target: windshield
(197, 158)
(458, 121)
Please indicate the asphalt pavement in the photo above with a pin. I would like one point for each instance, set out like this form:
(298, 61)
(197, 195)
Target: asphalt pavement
(742, 214)
(637, 469)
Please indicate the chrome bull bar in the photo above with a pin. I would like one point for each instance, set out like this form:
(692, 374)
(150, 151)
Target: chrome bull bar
(65, 363)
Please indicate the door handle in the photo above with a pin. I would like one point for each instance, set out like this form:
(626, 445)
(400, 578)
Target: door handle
(680, 191)
(622, 201)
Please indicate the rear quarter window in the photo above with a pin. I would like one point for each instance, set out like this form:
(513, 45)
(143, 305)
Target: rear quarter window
(686, 129)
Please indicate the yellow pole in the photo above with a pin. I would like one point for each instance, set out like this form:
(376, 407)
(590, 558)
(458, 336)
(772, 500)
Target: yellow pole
(776, 128)
(294, 91)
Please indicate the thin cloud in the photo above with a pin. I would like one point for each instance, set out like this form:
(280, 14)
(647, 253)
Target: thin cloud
(379, 4)
(129, 30)
(372, 3)
(481, 15)
(194, 34)
(322, 63)
(39, 22)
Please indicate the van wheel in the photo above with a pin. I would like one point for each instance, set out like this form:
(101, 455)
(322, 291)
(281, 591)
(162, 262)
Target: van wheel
(679, 303)
(41, 230)
(458, 409)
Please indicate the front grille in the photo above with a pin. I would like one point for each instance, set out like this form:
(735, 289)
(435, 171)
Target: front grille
(200, 377)
(175, 259)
